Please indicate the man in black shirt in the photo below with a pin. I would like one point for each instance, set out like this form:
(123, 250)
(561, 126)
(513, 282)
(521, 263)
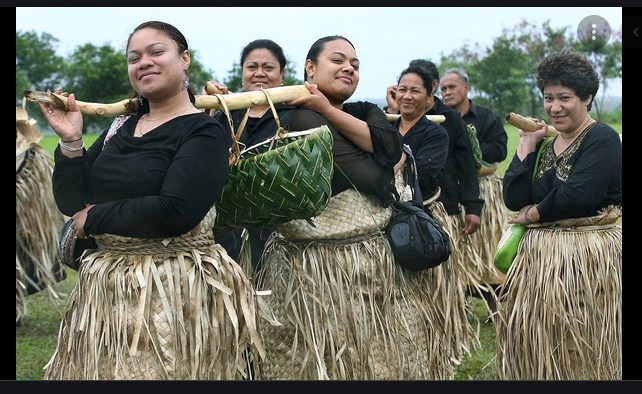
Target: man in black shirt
(491, 134)
(489, 131)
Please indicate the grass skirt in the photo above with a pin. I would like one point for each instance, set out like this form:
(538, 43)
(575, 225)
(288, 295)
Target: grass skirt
(560, 316)
(494, 221)
(348, 310)
(177, 308)
(448, 284)
(38, 224)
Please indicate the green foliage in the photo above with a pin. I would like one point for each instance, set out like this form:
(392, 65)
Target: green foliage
(97, 75)
(502, 77)
(37, 66)
(198, 74)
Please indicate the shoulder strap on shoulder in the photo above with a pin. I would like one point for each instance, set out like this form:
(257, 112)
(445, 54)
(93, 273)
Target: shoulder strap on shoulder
(539, 153)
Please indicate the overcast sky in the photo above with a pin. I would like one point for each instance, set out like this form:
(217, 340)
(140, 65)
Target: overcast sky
(386, 39)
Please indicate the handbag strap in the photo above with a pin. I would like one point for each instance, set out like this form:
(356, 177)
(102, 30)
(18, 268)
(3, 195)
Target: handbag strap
(539, 153)
(410, 170)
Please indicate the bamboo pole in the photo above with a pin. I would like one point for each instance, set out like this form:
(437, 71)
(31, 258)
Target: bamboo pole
(528, 124)
(241, 100)
(95, 109)
(434, 118)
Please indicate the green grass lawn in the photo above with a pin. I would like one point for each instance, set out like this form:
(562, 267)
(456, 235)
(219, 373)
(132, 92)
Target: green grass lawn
(36, 336)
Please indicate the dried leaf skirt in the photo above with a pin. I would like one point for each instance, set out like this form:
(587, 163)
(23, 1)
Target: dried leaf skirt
(560, 316)
(494, 221)
(348, 310)
(447, 286)
(177, 308)
(38, 224)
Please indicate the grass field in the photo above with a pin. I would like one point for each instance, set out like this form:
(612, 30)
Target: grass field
(36, 336)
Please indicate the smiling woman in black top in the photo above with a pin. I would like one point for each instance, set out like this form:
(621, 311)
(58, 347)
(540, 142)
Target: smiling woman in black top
(150, 302)
(561, 305)
(344, 303)
(263, 65)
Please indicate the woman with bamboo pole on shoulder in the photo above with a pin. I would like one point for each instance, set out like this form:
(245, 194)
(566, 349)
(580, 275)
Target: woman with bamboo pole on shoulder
(560, 314)
(263, 65)
(158, 299)
(348, 310)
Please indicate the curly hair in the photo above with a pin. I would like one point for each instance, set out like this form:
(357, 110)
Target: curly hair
(570, 69)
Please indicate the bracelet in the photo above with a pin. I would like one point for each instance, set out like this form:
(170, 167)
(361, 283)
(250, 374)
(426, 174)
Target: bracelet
(527, 214)
(69, 148)
(68, 142)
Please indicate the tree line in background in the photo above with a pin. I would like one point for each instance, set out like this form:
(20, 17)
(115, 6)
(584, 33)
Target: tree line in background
(502, 76)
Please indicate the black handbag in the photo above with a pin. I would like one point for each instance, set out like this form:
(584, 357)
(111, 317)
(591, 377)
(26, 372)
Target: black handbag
(417, 240)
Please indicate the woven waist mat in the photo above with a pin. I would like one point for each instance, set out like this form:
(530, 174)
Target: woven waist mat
(349, 215)
(199, 237)
(606, 216)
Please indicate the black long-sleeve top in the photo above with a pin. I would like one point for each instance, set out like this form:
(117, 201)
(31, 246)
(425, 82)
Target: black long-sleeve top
(160, 185)
(491, 134)
(584, 179)
(256, 129)
(459, 184)
(371, 173)
(429, 143)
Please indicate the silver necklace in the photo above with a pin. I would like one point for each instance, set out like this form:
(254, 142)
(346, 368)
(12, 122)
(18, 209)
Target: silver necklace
(139, 129)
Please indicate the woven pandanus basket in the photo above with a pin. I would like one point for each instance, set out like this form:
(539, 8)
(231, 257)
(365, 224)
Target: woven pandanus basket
(287, 177)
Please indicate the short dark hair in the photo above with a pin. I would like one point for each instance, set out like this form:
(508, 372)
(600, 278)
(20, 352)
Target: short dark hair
(429, 67)
(270, 45)
(570, 69)
(423, 73)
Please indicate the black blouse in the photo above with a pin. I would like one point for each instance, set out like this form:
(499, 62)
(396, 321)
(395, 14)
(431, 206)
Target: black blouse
(370, 173)
(160, 185)
(582, 180)
(459, 184)
(256, 129)
(429, 143)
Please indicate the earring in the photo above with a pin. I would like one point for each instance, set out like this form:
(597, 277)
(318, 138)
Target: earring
(185, 82)
(140, 100)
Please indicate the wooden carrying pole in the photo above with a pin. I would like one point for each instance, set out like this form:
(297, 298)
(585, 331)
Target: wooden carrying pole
(241, 100)
(527, 124)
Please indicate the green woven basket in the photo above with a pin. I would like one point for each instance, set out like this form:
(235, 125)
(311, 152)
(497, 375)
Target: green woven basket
(287, 177)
